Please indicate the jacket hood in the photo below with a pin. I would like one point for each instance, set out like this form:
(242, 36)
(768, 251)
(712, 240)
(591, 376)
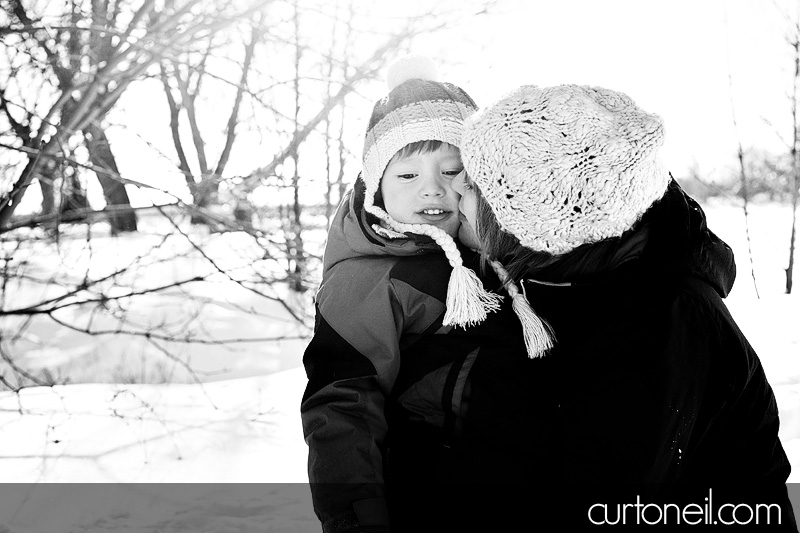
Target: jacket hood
(671, 239)
(681, 241)
(352, 234)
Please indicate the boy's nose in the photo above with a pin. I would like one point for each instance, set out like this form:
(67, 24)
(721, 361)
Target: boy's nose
(434, 186)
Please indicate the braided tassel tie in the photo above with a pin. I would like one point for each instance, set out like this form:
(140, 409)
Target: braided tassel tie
(538, 334)
(468, 303)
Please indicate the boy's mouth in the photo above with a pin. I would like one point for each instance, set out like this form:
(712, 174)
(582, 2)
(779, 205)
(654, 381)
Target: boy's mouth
(433, 214)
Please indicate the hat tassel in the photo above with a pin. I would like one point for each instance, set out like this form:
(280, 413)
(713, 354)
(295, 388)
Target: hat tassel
(468, 303)
(537, 333)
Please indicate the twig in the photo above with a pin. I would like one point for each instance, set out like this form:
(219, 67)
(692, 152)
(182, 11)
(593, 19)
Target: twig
(740, 156)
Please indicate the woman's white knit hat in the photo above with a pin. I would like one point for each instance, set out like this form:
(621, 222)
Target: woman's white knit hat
(566, 165)
(561, 167)
(420, 108)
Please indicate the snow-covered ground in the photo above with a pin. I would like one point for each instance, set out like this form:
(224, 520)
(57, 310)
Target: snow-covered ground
(247, 430)
(243, 431)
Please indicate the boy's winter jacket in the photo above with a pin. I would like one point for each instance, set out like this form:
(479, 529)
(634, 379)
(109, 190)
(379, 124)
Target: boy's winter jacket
(381, 302)
(651, 392)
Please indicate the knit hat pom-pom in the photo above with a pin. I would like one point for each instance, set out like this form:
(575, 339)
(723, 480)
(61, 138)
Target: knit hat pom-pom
(410, 67)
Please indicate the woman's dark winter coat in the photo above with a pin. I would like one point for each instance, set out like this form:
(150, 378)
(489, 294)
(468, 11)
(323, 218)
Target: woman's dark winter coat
(651, 388)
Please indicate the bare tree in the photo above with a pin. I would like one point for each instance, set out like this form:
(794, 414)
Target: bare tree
(792, 37)
(794, 41)
(250, 90)
(186, 75)
(340, 153)
(743, 191)
(296, 252)
(81, 60)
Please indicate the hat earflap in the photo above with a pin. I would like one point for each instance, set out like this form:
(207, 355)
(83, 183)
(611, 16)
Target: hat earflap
(467, 302)
(539, 336)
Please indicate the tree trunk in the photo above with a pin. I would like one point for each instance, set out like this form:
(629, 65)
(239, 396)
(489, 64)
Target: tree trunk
(114, 192)
(46, 176)
(298, 252)
(795, 162)
(790, 268)
(74, 203)
(297, 236)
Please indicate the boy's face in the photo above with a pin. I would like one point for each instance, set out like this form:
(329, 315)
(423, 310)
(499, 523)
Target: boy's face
(416, 189)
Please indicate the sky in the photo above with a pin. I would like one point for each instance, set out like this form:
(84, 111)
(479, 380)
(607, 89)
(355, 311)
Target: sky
(691, 61)
(696, 63)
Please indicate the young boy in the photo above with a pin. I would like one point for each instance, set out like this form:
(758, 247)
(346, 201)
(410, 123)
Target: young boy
(386, 382)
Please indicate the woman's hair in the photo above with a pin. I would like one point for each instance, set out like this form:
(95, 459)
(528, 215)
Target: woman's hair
(499, 245)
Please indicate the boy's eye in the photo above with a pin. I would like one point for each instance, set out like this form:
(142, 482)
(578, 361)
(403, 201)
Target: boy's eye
(451, 173)
(406, 176)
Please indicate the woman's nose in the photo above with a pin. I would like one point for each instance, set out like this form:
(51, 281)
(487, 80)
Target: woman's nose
(457, 184)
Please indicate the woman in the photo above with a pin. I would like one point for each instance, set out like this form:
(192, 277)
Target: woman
(640, 384)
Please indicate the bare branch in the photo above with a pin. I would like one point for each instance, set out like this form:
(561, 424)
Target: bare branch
(174, 125)
(36, 309)
(230, 130)
(187, 100)
(19, 370)
(178, 339)
(227, 274)
(369, 68)
(740, 156)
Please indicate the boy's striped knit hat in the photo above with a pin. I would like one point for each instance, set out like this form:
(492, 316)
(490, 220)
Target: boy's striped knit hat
(417, 108)
(421, 108)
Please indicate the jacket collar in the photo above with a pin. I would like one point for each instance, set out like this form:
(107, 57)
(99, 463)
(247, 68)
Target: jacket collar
(356, 233)
(672, 237)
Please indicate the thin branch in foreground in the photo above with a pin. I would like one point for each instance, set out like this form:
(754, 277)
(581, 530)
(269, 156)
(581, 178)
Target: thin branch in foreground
(152, 410)
(172, 338)
(186, 367)
(101, 300)
(12, 388)
(21, 371)
(222, 271)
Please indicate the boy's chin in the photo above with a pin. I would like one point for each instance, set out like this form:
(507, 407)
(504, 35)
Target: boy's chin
(447, 227)
(453, 232)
